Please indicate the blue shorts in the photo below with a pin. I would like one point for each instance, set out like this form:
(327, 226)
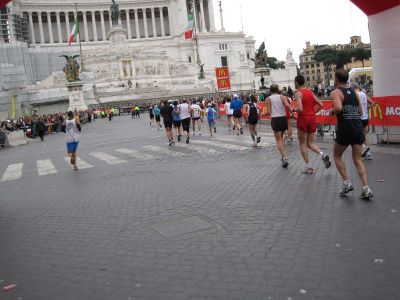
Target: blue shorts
(211, 123)
(72, 147)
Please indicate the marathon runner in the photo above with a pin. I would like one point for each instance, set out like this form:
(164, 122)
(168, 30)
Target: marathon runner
(307, 106)
(276, 107)
(366, 103)
(290, 117)
(348, 110)
(151, 115)
(177, 120)
(72, 128)
(253, 112)
(236, 106)
(157, 114)
(196, 114)
(184, 112)
(211, 112)
(229, 114)
(166, 113)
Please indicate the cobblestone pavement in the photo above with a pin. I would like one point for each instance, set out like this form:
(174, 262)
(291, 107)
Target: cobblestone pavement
(213, 220)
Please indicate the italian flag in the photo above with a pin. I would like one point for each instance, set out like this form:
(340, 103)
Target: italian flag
(189, 27)
(74, 32)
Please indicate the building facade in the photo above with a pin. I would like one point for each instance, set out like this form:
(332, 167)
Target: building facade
(315, 73)
(153, 54)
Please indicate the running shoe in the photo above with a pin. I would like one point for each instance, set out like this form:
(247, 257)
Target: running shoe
(215, 129)
(170, 143)
(285, 163)
(200, 133)
(369, 156)
(308, 170)
(347, 187)
(179, 138)
(258, 139)
(325, 159)
(365, 151)
(366, 194)
(238, 133)
(241, 130)
(187, 140)
(234, 127)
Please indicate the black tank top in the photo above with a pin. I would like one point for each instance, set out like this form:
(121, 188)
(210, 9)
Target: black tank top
(253, 114)
(349, 119)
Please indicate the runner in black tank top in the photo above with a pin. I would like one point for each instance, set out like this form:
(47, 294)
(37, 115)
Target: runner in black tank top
(253, 118)
(347, 108)
(349, 124)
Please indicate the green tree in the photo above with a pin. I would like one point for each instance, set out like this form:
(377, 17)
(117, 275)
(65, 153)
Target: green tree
(362, 54)
(343, 57)
(326, 56)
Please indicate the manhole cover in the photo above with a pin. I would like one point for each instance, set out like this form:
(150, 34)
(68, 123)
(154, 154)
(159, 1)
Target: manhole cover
(182, 226)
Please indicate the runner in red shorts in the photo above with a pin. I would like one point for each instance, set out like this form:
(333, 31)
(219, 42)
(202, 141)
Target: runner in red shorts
(307, 106)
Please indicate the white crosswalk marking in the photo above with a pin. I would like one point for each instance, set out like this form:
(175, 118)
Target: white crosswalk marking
(81, 163)
(135, 154)
(45, 167)
(13, 172)
(112, 160)
(201, 150)
(162, 150)
(249, 141)
(222, 145)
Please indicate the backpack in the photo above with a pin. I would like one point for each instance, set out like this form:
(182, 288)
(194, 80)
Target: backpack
(175, 114)
(157, 111)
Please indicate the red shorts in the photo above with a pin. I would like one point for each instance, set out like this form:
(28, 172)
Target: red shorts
(307, 124)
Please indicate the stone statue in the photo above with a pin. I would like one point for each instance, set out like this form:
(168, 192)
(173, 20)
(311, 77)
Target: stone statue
(289, 56)
(115, 13)
(71, 68)
(201, 73)
(261, 56)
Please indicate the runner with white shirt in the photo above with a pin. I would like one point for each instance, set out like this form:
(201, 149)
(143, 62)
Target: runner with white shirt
(276, 107)
(72, 129)
(196, 114)
(229, 114)
(366, 103)
(185, 112)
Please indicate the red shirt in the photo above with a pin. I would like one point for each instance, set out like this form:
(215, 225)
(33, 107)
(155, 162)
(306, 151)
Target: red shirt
(308, 103)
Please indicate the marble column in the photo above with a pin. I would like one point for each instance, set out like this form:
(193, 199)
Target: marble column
(128, 24)
(33, 41)
(41, 27)
(94, 25)
(103, 26)
(146, 31)
(171, 30)
(50, 28)
(211, 15)
(67, 27)
(137, 24)
(153, 22)
(203, 19)
(60, 39)
(162, 22)
(85, 26)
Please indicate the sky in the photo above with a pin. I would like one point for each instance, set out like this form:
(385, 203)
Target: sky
(287, 24)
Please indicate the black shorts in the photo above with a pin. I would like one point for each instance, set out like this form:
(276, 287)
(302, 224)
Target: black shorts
(365, 123)
(167, 123)
(158, 118)
(151, 117)
(346, 138)
(237, 114)
(252, 120)
(196, 119)
(279, 124)
(177, 124)
(186, 124)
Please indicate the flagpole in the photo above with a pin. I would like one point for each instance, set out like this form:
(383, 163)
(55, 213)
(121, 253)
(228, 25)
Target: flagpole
(79, 37)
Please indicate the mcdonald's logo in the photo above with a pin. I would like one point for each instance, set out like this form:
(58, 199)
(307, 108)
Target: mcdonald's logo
(376, 112)
(223, 83)
(221, 72)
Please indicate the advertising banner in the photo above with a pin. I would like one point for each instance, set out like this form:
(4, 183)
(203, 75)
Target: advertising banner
(223, 81)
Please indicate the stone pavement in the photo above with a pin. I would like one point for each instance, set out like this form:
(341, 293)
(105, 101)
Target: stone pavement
(213, 220)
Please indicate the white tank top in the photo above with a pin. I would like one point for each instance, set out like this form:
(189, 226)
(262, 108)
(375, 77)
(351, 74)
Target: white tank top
(364, 105)
(229, 111)
(71, 130)
(184, 111)
(277, 107)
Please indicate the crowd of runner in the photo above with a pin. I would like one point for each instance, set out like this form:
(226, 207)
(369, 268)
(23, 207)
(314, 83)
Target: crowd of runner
(350, 106)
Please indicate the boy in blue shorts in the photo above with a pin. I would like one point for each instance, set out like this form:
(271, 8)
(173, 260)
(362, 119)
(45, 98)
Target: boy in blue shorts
(72, 129)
